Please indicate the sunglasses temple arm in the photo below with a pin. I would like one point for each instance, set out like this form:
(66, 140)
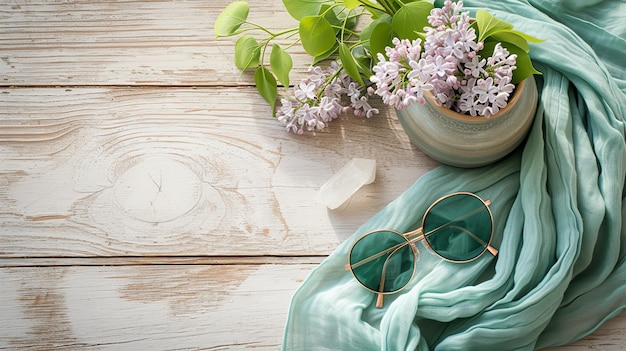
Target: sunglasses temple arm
(379, 298)
(373, 257)
(393, 249)
(379, 301)
(490, 248)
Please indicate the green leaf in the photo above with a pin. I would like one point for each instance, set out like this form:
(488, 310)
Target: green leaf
(349, 64)
(363, 60)
(524, 64)
(351, 4)
(247, 52)
(366, 33)
(350, 22)
(374, 8)
(512, 38)
(336, 16)
(489, 24)
(529, 38)
(281, 64)
(317, 59)
(381, 37)
(233, 16)
(411, 19)
(316, 34)
(266, 85)
(299, 9)
(487, 49)
(331, 17)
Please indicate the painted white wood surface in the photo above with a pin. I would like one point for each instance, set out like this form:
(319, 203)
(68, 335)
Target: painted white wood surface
(147, 198)
(182, 173)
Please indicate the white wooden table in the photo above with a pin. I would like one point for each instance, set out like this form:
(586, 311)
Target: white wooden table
(148, 201)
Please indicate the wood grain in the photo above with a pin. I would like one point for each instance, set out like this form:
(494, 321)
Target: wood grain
(166, 307)
(108, 42)
(117, 171)
(174, 307)
(148, 200)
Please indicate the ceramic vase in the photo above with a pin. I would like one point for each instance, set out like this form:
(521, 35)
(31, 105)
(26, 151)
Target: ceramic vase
(464, 141)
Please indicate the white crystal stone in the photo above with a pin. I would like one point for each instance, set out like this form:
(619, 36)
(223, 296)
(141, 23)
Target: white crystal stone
(343, 184)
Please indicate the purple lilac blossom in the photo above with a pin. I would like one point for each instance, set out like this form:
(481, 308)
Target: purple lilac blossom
(319, 99)
(449, 67)
(405, 77)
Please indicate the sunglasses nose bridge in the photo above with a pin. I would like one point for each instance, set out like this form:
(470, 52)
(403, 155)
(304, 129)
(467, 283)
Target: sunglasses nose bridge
(415, 235)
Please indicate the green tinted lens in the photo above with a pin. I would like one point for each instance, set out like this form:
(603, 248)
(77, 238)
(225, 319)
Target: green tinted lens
(383, 261)
(458, 227)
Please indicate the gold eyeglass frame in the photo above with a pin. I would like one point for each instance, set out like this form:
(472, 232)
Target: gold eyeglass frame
(417, 235)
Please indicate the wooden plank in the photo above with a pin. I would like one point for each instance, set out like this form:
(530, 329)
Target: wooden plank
(146, 307)
(191, 172)
(178, 307)
(157, 260)
(111, 264)
(114, 42)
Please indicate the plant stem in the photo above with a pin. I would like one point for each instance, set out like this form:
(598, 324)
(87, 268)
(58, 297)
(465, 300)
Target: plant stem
(390, 6)
(370, 5)
(272, 34)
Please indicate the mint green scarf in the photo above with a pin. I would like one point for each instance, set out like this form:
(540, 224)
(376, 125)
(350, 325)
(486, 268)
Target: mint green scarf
(558, 209)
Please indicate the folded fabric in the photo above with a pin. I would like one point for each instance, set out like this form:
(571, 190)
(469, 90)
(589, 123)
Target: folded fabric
(558, 206)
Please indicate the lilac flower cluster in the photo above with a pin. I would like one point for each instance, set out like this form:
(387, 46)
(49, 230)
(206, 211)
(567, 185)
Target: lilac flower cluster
(449, 67)
(405, 77)
(321, 98)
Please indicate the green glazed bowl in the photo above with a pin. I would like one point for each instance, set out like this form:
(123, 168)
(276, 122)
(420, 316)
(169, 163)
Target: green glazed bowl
(464, 141)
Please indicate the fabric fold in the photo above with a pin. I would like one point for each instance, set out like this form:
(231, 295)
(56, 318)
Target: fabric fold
(558, 205)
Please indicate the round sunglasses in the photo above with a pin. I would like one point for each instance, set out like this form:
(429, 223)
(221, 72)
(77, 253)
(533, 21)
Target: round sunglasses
(457, 227)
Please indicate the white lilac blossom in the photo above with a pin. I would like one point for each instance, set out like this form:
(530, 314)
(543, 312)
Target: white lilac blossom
(321, 98)
(449, 67)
